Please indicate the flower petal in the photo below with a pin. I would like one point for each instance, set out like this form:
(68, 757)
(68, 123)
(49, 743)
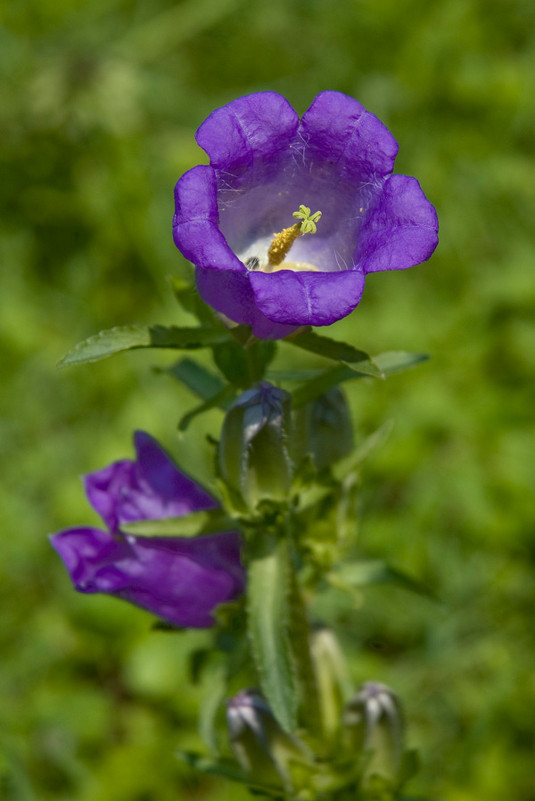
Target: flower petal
(307, 298)
(174, 487)
(180, 580)
(250, 131)
(231, 294)
(401, 229)
(196, 221)
(149, 489)
(338, 131)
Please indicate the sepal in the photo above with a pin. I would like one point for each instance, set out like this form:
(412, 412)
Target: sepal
(325, 430)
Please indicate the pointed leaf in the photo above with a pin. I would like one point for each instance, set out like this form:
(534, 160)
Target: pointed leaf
(395, 361)
(195, 377)
(209, 521)
(310, 390)
(129, 337)
(227, 769)
(242, 334)
(338, 351)
(221, 400)
(269, 615)
(275, 376)
(244, 365)
(388, 363)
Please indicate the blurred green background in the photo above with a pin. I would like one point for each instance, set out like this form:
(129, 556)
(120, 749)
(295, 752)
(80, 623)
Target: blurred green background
(99, 103)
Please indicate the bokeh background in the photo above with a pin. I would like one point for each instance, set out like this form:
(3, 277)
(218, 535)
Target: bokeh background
(99, 103)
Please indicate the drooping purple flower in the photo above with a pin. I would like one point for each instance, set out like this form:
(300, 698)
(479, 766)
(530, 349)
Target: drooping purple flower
(180, 580)
(265, 164)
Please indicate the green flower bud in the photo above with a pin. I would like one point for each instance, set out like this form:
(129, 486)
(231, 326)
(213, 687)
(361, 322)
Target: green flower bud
(263, 749)
(373, 724)
(253, 453)
(332, 677)
(325, 429)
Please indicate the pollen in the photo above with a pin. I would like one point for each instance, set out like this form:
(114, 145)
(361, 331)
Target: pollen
(283, 241)
(281, 244)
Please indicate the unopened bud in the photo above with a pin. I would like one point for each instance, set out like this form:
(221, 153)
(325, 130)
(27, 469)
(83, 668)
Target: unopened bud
(253, 453)
(261, 746)
(331, 676)
(373, 724)
(326, 430)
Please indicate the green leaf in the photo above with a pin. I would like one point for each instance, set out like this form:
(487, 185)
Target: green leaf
(338, 351)
(209, 521)
(195, 377)
(269, 615)
(244, 365)
(231, 359)
(388, 363)
(221, 400)
(227, 769)
(395, 361)
(275, 376)
(310, 390)
(366, 572)
(129, 337)
(204, 384)
(242, 334)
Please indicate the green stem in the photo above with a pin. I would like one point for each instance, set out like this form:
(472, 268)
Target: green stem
(269, 621)
(309, 707)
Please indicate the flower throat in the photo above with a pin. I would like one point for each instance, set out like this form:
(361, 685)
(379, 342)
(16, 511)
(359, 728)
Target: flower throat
(283, 241)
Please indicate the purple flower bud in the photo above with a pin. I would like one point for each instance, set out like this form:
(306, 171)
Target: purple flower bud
(325, 428)
(179, 579)
(235, 218)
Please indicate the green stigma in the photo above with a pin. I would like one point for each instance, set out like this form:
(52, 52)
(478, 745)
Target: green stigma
(283, 241)
(308, 224)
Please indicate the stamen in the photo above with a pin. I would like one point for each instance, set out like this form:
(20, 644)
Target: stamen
(283, 241)
(281, 244)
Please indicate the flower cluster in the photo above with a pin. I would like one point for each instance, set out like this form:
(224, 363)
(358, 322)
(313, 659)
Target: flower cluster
(180, 580)
(232, 215)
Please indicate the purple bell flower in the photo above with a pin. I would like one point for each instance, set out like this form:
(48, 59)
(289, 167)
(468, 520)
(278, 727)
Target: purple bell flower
(180, 580)
(265, 165)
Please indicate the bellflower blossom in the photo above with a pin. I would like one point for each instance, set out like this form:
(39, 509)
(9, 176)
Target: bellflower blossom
(268, 168)
(181, 580)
